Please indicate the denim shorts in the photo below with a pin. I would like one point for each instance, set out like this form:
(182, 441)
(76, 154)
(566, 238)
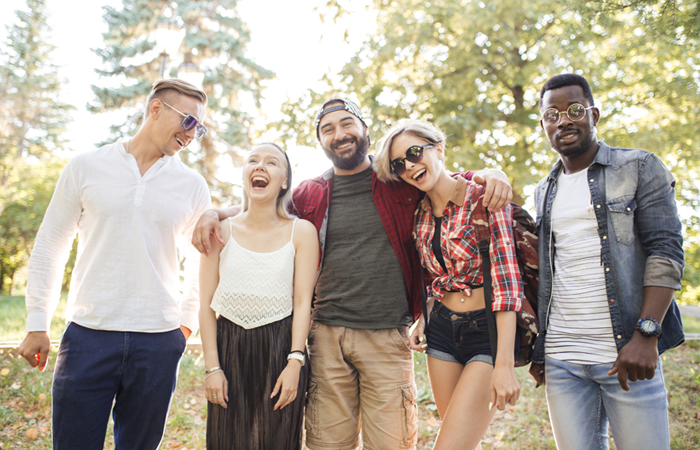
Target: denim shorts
(460, 337)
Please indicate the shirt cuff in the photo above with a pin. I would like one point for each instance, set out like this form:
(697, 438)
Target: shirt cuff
(663, 272)
(190, 320)
(507, 304)
(37, 321)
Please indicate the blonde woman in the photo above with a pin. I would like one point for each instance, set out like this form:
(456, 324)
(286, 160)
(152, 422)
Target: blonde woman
(260, 284)
(468, 385)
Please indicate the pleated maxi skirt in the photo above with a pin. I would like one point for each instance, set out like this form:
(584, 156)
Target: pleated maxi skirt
(252, 360)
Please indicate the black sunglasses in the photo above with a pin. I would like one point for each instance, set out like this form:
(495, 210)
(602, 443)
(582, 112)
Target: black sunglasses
(188, 122)
(414, 154)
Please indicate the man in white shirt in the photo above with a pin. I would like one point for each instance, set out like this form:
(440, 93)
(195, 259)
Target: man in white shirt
(130, 202)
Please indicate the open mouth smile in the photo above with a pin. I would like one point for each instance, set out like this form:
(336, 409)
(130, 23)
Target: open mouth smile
(419, 175)
(180, 142)
(259, 182)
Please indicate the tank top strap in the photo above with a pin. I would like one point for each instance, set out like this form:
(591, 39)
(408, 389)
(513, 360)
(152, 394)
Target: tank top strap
(230, 227)
(294, 224)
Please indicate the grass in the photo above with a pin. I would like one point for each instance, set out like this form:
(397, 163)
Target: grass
(25, 401)
(13, 317)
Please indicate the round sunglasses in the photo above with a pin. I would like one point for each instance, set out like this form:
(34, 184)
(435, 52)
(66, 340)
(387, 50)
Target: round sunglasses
(414, 154)
(188, 122)
(575, 112)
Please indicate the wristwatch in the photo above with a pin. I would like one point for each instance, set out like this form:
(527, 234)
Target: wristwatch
(648, 326)
(298, 356)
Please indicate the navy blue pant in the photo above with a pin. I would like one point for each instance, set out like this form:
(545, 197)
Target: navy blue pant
(96, 370)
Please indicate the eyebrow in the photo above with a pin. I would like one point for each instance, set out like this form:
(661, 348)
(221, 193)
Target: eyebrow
(344, 119)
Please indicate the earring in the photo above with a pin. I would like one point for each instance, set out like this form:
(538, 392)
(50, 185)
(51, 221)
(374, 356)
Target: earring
(284, 186)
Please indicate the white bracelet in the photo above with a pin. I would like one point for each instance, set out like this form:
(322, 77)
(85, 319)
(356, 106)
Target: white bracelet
(298, 357)
(213, 369)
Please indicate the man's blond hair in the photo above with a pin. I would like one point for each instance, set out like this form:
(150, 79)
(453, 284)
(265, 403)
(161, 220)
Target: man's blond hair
(166, 88)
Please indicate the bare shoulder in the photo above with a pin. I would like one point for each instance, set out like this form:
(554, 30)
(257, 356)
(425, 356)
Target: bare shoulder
(305, 233)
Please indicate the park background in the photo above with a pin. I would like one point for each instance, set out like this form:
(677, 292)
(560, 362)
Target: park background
(75, 74)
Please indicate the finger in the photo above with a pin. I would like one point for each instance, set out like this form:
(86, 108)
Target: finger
(217, 234)
(43, 359)
(501, 401)
(277, 387)
(514, 398)
(622, 378)
(225, 389)
(498, 198)
(492, 400)
(478, 179)
(488, 194)
(613, 370)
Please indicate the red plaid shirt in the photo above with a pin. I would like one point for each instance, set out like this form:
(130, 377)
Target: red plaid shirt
(395, 202)
(460, 249)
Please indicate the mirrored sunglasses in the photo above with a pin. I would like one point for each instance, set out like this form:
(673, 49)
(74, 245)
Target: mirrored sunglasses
(188, 122)
(575, 112)
(414, 154)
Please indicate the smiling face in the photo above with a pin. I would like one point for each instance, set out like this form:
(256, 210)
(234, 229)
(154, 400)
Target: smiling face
(265, 173)
(172, 136)
(344, 139)
(575, 141)
(424, 174)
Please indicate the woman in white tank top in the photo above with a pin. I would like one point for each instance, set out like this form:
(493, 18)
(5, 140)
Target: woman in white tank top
(259, 283)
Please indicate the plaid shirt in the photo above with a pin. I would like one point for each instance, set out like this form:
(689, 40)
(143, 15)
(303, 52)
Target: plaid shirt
(395, 202)
(461, 249)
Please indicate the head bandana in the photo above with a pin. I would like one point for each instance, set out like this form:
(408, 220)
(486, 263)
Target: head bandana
(345, 105)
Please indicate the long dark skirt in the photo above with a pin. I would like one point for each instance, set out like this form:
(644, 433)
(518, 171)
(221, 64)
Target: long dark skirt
(252, 360)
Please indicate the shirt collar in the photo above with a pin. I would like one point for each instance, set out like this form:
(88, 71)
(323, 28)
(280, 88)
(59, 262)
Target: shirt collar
(457, 196)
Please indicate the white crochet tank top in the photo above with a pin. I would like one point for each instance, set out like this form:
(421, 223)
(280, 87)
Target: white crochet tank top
(255, 288)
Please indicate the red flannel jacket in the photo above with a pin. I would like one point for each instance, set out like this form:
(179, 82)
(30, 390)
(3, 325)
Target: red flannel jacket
(461, 249)
(395, 201)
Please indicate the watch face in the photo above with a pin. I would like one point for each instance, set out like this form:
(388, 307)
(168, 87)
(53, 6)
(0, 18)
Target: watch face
(647, 326)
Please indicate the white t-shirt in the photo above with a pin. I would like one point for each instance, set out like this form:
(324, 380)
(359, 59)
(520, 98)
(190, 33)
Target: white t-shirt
(580, 329)
(126, 275)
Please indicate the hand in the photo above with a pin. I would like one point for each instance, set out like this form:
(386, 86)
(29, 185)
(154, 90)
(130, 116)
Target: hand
(287, 384)
(417, 338)
(207, 225)
(537, 372)
(637, 360)
(216, 388)
(35, 349)
(498, 193)
(185, 331)
(505, 387)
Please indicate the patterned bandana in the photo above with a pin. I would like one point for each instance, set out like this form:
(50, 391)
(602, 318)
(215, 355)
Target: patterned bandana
(346, 105)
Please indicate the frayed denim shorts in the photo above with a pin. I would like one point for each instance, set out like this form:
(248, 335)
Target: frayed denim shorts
(460, 337)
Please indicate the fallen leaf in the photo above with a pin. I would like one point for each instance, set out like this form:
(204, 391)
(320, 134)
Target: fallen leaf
(193, 401)
(32, 433)
(42, 397)
(4, 371)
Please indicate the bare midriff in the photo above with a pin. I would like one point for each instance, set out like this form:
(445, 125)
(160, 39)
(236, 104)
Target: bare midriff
(459, 302)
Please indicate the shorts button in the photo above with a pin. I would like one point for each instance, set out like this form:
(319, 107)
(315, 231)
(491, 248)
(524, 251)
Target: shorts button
(454, 317)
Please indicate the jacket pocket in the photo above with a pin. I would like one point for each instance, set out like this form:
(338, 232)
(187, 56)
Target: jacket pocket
(621, 212)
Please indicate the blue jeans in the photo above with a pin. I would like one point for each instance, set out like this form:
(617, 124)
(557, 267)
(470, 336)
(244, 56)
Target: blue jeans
(135, 372)
(582, 400)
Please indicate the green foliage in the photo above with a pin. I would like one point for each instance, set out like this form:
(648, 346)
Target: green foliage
(215, 40)
(22, 216)
(475, 69)
(32, 118)
(672, 19)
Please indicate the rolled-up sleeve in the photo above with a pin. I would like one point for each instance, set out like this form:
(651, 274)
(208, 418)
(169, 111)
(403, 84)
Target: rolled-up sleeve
(658, 225)
(505, 274)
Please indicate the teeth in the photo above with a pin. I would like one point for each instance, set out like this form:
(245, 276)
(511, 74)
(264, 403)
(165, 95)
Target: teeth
(418, 174)
(182, 144)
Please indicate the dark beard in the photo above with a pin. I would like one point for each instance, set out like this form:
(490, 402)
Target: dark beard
(579, 150)
(354, 160)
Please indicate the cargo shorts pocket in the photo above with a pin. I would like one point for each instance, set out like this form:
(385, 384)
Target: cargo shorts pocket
(409, 419)
(312, 428)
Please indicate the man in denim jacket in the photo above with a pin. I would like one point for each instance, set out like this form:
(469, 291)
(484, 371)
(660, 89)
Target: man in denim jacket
(611, 258)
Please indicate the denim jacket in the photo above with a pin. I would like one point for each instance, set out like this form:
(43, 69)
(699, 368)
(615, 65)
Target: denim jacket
(640, 235)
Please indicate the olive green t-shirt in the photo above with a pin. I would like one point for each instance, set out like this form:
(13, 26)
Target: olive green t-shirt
(361, 283)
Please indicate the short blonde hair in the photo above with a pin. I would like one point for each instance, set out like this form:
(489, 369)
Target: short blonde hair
(165, 88)
(419, 128)
(284, 199)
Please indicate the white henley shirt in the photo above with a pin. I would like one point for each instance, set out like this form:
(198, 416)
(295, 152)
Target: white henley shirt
(126, 275)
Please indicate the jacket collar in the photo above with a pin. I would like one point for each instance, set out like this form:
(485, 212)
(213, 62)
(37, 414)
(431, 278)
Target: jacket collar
(457, 196)
(602, 157)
